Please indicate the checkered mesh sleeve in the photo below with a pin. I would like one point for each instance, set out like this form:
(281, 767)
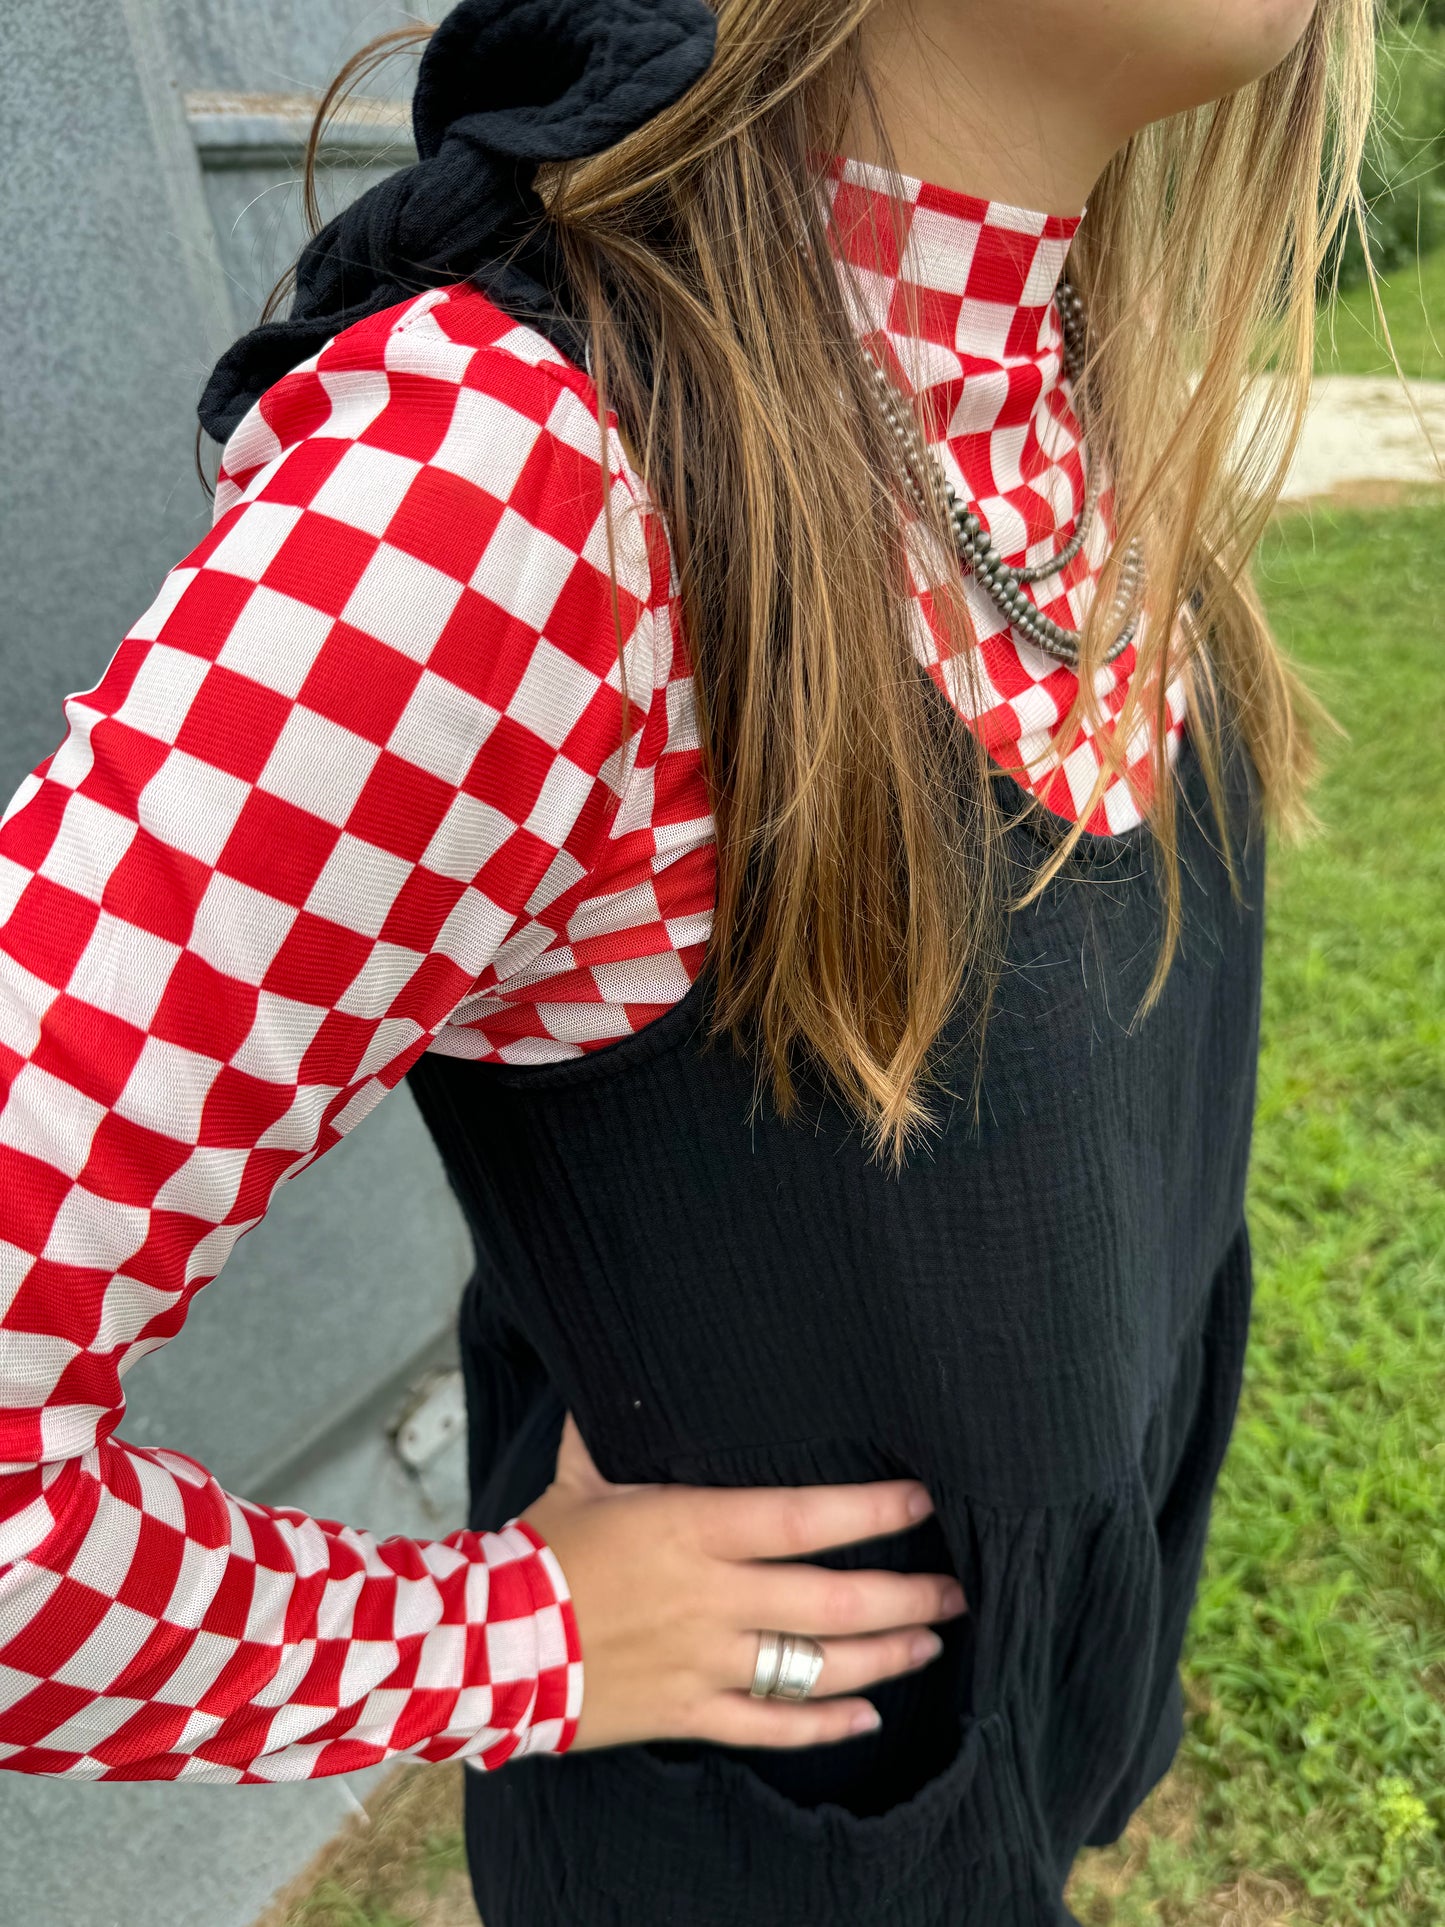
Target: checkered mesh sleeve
(369, 735)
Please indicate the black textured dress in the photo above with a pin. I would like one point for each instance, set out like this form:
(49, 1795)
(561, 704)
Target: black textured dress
(1043, 1319)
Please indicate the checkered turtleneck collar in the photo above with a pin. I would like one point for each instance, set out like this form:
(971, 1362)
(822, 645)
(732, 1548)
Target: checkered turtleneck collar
(954, 296)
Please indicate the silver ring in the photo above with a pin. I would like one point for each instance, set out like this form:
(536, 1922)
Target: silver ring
(787, 1666)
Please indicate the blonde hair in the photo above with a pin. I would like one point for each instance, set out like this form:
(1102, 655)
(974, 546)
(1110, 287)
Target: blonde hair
(858, 906)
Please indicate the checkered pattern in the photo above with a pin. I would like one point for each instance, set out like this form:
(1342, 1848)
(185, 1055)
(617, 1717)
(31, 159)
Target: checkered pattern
(356, 786)
(962, 315)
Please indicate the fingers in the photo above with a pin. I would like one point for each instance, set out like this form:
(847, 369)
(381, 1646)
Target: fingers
(738, 1720)
(815, 1600)
(851, 1664)
(787, 1522)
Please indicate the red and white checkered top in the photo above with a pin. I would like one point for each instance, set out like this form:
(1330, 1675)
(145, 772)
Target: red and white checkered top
(353, 787)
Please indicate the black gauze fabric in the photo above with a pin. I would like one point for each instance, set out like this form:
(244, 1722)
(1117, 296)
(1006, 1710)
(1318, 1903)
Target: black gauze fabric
(502, 86)
(1043, 1317)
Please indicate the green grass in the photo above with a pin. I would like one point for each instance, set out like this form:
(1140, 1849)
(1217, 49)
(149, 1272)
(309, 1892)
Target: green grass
(1316, 1753)
(1348, 334)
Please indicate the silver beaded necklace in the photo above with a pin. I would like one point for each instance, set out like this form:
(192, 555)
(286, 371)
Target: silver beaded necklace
(1004, 585)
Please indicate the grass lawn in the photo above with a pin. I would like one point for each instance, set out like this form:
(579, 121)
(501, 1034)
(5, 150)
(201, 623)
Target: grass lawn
(1348, 336)
(1311, 1786)
(1315, 1761)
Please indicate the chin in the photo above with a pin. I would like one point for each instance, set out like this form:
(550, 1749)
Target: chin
(1254, 36)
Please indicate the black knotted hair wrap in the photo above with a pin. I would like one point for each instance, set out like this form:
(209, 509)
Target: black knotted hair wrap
(502, 86)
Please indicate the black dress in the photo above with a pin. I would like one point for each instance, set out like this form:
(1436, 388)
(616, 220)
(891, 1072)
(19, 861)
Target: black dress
(1043, 1319)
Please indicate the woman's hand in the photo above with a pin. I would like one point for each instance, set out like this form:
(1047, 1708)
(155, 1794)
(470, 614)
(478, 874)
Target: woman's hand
(671, 1587)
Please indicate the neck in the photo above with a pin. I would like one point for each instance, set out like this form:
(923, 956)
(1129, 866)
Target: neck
(966, 103)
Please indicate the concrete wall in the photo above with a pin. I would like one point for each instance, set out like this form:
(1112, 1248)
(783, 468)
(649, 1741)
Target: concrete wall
(147, 155)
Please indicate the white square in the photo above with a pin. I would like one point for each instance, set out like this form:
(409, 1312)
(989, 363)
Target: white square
(162, 691)
(88, 1230)
(402, 601)
(126, 1309)
(386, 972)
(441, 1663)
(207, 1184)
(366, 488)
(983, 327)
(254, 539)
(553, 694)
(392, 1037)
(108, 1546)
(940, 250)
(475, 929)
(50, 1119)
(468, 835)
(511, 1649)
(238, 930)
(275, 640)
(560, 801)
(34, 1367)
(298, 1127)
(202, 1661)
(167, 1091)
(420, 347)
(358, 885)
(442, 728)
(89, 843)
(486, 442)
(357, 397)
(192, 806)
(148, 626)
(278, 1039)
(523, 569)
(318, 765)
(124, 970)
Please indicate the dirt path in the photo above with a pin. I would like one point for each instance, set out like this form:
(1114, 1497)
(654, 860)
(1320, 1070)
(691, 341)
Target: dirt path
(1362, 430)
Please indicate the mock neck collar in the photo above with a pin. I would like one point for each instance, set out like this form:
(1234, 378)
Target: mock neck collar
(964, 291)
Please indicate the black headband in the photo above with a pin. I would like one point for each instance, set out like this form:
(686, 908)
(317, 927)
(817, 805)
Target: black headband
(502, 86)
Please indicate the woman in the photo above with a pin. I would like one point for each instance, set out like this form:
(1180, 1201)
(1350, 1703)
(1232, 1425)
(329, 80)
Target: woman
(725, 658)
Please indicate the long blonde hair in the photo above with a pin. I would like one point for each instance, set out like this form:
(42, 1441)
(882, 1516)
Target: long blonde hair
(858, 906)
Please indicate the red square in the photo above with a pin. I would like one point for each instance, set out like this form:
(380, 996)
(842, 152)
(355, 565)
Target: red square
(337, 1048)
(233, 722)
(307, 465)
(48, 930)
(129, 1163)
(415, 421)
(30, 832)
(239, 1108)
(88, 1048)
(441, 515)
(277, 848)
(483, 650)
(125, 760)
(321, 562)
(509, 770)
(400, 807)
(360, 683)
(206, 613)
(156, 888)
(419, 909)
(317, 961)
(204, 1010)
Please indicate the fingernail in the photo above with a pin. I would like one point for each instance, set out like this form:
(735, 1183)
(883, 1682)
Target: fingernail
(920, 1505)
(925, 1646)
(866, 1720)
(953, 1601)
